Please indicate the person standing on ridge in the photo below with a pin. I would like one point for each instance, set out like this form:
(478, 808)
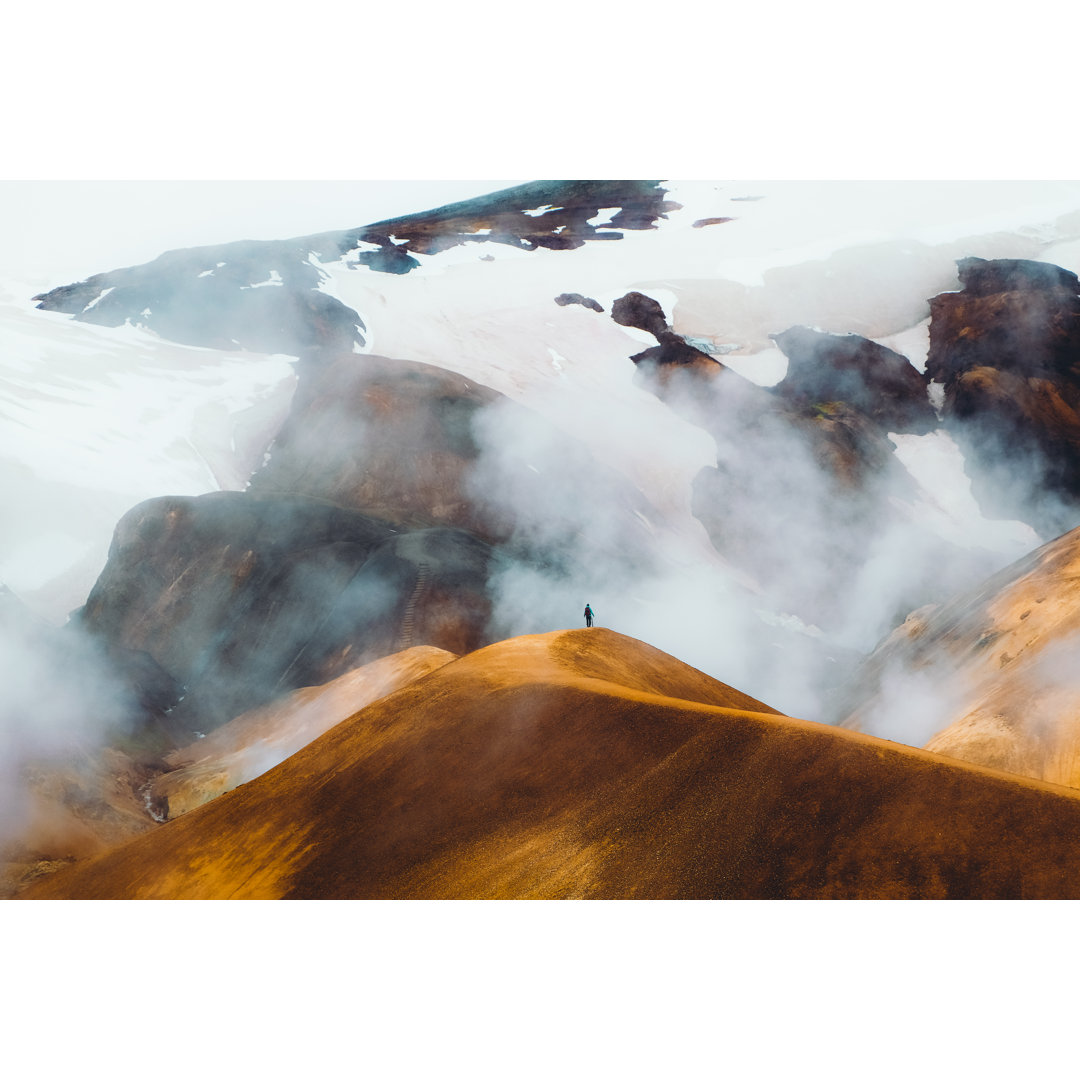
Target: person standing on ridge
(588, 615)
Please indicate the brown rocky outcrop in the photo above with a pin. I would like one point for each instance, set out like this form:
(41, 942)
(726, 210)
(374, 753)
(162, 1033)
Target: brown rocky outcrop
(1007, 350)
(371, 528)
(392, 438)
(242, 597)
(671, 351)
(420, 446)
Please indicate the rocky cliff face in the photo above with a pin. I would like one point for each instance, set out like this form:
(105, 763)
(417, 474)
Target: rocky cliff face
(241, 597)
(865, 376)
(1007, 350)
(806, 478)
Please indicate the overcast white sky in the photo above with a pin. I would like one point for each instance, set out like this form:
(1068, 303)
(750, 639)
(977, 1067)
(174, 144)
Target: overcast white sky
(232, 90)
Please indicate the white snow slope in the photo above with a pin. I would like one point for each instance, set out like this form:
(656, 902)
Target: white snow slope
(93, 420)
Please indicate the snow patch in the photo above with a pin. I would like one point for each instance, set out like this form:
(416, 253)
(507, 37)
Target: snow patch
(914, 343)
(97, 299)
(99, 418)
(604, 214)
(947, 506)
(541, 210)
(273, 279)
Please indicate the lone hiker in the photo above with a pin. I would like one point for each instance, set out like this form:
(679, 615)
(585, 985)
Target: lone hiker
(588, 615)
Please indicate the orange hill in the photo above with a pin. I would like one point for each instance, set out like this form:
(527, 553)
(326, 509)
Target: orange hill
(255, 741)
(587, 764)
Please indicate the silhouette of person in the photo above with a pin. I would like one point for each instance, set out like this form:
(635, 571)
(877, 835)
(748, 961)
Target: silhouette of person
(588, 615)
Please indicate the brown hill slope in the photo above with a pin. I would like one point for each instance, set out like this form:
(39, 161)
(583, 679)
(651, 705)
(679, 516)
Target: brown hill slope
(587, 764)
(255, 741)
(1003, 659)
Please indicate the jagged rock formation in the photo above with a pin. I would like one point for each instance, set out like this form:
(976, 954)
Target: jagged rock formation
(586, 764)
(644, 313)
(807, 463)
(1007, 350)
(558, 215)
(563, 299)
(266, 296)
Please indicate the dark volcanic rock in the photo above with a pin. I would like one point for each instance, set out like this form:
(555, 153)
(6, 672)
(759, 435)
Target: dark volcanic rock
(420, 446)
(563, 299)
(390, 437)
(542, 214)
(371, 528)
(984, 277)
(1007, 349)
(241, 597)
(644, 313)
(806, 477)
(640, 311)
(389, 259)
(879, 383)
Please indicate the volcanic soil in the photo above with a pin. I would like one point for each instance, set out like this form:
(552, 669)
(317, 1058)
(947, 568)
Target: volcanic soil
(585, 764)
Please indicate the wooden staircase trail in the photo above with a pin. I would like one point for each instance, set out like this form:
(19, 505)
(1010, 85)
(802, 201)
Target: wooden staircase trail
(408, 620)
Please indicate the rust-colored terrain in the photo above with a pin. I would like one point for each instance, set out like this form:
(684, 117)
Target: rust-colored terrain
(255, 741)
(587, 764)
(1004, 658)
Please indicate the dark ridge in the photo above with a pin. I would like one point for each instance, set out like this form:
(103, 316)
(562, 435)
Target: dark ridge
(1006, 348)
(982, 277)
(235, 598)
(877, 381)
(576, 298)
(213, 296)
(644, 313)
